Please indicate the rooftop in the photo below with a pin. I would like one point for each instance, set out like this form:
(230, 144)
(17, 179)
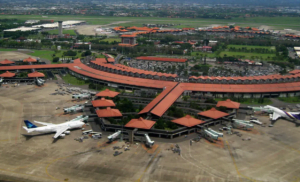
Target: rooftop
(5, 61)
(7, 74)
(140, 123)
(229, 104)
(108, 113)
(29, 60)
(213, 113)
(103, 103)
(107, 93)
(188, 121)
(36, 74)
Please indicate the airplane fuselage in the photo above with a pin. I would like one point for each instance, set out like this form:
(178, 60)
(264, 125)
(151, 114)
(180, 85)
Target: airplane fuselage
(53, 128)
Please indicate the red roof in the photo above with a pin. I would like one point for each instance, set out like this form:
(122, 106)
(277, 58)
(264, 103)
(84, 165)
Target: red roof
(103, 103)
(294, 72)
(107, 93)
(36, 74)
(29, 60)
(128, 35)
(229, 104)
(167, 101)
(155, 101)
(213, 113)
(140, 123)
(126, 45)
(6, 62)
(108, 113)
(188, 121)
(7, 74)
(148, 58)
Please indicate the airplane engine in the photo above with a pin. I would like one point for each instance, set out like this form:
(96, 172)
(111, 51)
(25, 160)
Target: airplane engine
(67, 132)
(62, 135)
(66, 110)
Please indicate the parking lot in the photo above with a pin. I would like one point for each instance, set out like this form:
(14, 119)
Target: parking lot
(272, 153)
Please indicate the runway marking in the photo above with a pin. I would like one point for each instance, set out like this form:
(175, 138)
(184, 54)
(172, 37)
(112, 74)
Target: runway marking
(151, 161)
(287, 146)
(235, 165)
(53, 161)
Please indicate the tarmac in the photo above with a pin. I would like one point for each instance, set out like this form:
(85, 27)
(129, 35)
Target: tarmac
(272, 154)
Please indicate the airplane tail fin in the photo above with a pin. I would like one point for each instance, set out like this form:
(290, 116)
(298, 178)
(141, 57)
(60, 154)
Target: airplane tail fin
(29, 124)
(27, 129)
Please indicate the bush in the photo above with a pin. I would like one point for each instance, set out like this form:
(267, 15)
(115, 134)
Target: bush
(55, 59)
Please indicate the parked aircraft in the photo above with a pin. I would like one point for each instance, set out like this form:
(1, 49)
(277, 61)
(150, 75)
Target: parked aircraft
(81, 96)
(74, 108)
(39, 81)
(60, 129)
(256, 121)
(149, 142)
(278, 113)
(112, 137)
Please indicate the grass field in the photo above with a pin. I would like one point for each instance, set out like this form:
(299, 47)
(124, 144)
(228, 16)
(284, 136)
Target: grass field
(3, 49)
(248, 55)
(73, 80)
(276, 22)
(290, 99)
(251, 47)
(209, 55)
(45, 54)
(55, 32)
(112, 39)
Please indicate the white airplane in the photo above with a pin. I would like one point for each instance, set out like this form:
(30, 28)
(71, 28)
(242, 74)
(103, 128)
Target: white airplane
(112, 137)
(60, 129)
(278, 113)
(256, 121)
(149, 142)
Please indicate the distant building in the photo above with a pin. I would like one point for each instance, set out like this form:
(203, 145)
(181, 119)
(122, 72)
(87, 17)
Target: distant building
(128, 40)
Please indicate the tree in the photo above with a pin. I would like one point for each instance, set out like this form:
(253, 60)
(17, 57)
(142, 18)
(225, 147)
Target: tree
(55, 59)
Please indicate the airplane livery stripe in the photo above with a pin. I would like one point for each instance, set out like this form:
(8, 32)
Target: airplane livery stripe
(292, 117)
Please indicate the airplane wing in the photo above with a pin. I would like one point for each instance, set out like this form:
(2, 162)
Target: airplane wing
(60, 131)
(275, 116)
(42, 123)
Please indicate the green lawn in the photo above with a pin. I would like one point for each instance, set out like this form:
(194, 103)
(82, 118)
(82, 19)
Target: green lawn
(73, 80)
(70, 32)
(247, 55)
(290, 99)
(45, 54)
(276, 22)
(209, 55)
(252, 47)
(112, 39)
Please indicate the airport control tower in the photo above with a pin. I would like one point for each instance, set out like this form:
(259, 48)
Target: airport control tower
(60, 30)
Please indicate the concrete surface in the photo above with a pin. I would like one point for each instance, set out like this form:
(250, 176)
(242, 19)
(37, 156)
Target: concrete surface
(272, 154)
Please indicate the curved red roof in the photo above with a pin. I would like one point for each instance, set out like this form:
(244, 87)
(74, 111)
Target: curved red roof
(149, 58)
(213, 113)
(6, 61)
(103, 103)
(188, 121)
(107, 93)
(108, 113)
(7, 74)
(36, 74)
(140, 123)
(30, 59)
(229, 104)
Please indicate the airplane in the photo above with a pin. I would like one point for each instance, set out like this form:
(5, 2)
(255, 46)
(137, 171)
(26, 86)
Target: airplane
(81, 96)
(60, 129)
(74, 108)
(39, 81)
(112, 137)
(1, 80)
(278, 113)
(149, 142)
(256, 121)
